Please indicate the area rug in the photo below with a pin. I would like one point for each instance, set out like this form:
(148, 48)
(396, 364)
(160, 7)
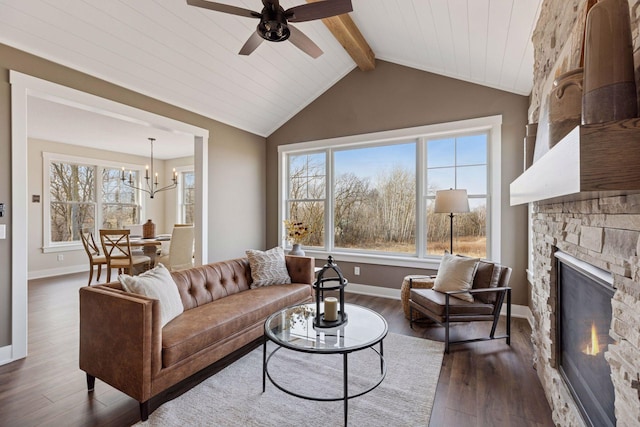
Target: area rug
(234, 397)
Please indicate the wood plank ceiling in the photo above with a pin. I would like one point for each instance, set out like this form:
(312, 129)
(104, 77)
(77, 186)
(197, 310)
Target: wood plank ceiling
(188, 57)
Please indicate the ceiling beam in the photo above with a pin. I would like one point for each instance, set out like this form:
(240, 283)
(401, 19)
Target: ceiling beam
(347, 33)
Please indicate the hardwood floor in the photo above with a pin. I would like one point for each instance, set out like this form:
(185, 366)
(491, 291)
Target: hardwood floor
(481, 384)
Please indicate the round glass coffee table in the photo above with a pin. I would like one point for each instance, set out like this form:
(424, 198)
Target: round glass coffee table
(292, 328)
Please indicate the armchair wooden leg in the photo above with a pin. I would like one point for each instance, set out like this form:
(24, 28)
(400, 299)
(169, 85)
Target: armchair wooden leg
(91, 382)
(144, 410)
(99, 272)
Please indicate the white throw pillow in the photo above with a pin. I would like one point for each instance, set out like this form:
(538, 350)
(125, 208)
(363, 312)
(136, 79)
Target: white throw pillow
(268, 267)
(156, 283)
(456, 274)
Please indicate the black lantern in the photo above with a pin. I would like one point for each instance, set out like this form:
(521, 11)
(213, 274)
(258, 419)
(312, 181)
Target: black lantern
(334, 314)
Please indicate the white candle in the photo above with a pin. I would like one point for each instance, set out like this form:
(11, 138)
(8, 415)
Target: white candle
(330, 309)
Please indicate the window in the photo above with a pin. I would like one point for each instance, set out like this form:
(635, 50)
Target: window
(187, 197)
(119, 202)
(85, 194)
(374, 198)
(375, 192)
(458, 162)
(72, 200)
(306, 193)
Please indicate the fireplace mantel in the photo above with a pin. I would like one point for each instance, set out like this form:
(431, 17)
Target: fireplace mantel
(592, 161)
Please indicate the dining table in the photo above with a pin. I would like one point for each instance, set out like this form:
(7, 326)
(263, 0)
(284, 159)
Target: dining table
(149, 245)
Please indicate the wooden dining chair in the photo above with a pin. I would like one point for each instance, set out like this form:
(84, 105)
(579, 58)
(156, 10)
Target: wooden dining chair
(95, 257)
(117, 249)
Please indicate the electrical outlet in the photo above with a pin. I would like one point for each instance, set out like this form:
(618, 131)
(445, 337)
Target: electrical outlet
(356, 271)
(60, 257)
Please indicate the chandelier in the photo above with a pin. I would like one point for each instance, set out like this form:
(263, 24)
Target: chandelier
(150, 179)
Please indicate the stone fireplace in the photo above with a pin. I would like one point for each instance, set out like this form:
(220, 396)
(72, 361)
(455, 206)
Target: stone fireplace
(601, 230)
(605, 233)
(583, 319)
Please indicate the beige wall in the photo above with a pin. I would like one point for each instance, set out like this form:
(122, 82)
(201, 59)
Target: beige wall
(236, 167)
(394, 97)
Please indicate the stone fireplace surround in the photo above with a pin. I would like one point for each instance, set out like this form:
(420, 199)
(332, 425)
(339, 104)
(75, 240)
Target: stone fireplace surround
(603, 232)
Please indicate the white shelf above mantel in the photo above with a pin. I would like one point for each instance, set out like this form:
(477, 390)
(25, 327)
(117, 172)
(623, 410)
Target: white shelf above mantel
(591, 161)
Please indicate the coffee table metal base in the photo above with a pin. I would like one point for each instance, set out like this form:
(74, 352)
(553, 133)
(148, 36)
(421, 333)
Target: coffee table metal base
(345, 377)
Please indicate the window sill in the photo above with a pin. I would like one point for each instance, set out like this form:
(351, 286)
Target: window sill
(390, 260)
(62, 248)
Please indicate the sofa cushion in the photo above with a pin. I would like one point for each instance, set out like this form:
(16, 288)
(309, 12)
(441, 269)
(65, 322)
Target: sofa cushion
(456, 274)
(158, 284)
(435, 302)
(208, 324)
(268, 267)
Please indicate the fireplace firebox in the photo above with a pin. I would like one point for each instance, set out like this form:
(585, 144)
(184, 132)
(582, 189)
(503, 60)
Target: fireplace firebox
(584, 320)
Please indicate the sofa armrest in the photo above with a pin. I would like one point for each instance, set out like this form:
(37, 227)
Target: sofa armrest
(301, 268)
(120, 339)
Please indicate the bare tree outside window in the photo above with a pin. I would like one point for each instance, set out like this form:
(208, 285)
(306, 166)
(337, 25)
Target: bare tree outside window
(459, 163)
(72, 200)
(119, 202)
(306, 194)
(375, 198)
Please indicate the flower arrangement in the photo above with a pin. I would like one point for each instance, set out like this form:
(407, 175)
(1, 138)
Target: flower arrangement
(296, 231)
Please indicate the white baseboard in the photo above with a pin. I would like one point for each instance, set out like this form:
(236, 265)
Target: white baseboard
(519, 311)
(61, 271)
(5, 355)
(374, 291)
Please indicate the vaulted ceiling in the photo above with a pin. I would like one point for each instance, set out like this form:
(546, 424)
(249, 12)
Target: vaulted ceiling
(188, 56)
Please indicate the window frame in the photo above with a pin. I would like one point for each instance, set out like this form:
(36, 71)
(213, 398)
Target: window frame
(48, 157)
(492, 125)
(426, 197)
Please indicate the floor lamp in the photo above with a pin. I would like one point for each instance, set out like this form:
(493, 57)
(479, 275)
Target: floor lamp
(451, 201)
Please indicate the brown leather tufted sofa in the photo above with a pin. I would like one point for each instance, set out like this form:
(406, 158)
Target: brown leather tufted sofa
(122, 344)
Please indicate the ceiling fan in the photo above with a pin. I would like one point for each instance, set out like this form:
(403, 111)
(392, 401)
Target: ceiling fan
(274, 25)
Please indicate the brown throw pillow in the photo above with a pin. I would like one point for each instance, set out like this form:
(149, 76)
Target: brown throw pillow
(487, 276)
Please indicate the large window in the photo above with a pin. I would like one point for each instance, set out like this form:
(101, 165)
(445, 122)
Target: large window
(85, 194)
(375, 192)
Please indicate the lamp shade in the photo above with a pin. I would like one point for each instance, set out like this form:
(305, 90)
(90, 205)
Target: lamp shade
(451, 201)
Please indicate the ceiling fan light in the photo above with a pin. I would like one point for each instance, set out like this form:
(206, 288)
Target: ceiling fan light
(273, 31)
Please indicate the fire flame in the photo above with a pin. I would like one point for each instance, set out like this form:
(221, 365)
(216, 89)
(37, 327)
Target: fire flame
(593, 348)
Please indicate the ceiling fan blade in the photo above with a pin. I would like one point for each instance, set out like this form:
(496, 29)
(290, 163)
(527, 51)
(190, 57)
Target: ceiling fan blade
(251, 44)
(304, 43)
(318, 10)
(220, 7)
